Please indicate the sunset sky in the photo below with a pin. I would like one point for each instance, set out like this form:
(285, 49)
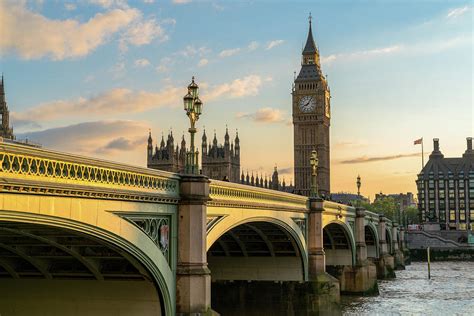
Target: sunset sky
(92, 76)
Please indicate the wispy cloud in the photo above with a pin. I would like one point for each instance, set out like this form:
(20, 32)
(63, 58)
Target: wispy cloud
(273, 44)
(33, 36)
(203, 62)
(181, 1)
(142, 32)
(252, 46)
(229, 52)
(365, 159)
(115, 101)
(241, 87)
(143, 62)
(92, 137)
(70, 6)
(362, 54)
(457, 12)
(264, 115)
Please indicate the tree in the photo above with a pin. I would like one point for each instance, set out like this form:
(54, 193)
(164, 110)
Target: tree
(412, 215)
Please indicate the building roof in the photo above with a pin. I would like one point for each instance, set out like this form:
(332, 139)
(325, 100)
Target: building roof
(310, 47)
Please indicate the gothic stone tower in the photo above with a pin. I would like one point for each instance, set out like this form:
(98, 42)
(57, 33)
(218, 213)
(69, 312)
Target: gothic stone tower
(311, 120)
(221, 162)
(5, 130)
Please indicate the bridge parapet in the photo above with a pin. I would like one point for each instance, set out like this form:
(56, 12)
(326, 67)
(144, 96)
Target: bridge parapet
(244, 196)
(36, 170)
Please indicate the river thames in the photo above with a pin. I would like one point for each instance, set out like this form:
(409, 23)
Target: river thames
(450, 291)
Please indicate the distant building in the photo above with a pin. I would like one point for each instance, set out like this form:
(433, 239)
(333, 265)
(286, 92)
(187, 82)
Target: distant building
(272, 182)
(5, 130)
(446, 190)
(220, 162)
(347, 198)
(405, 199)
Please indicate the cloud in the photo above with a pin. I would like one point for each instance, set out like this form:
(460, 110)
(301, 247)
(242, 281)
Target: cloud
(274, 43)
(142, 33)
(112, 102)
(109, 3)
(191, 51)
(91, 137)
(164, 65)
(181, 1)
(148, 1)
(362, 54)
(247, 86)
(264, 115)
(365, 159)
(70, 6)
(457, 12)
(123, 144)
(33, 36)
(229, 52)
(203, 62)
(252, 46)
(349, 144)
(143, 62)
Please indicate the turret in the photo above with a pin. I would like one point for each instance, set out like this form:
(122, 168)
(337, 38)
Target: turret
(275, 183)
(247, 179)
(226, 140)
(242, 178)
(237, 144)
(162, 145)
(150, 146)
(204, 143)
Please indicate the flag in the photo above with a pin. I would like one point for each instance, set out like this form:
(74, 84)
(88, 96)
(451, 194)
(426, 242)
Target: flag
(418, 141)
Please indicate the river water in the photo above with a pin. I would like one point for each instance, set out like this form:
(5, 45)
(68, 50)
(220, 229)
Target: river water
(450, 291)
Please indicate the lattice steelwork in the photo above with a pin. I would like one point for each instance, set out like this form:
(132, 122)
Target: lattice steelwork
(158, 228)
(71, 172)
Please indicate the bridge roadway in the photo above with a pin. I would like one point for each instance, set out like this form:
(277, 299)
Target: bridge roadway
(86, 236)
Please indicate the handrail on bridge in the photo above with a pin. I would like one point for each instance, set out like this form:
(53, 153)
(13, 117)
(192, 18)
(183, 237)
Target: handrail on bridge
(22, 162)
(234, 193)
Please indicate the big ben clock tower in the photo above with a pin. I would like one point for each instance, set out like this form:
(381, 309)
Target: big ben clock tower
(311, 120)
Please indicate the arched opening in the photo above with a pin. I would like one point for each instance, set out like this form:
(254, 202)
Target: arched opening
(388, 238)
(256, 251)
(251, 264)
(338, 248)
(56, 271)
(371, 242)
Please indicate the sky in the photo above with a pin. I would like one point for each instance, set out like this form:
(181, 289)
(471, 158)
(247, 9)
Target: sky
(93, 76)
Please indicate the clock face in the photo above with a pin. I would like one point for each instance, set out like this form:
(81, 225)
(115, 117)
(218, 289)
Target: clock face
(307, 104)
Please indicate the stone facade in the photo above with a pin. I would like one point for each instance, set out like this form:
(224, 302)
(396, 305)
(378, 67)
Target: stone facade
(220, 162)
(446, 190)
(311, 120)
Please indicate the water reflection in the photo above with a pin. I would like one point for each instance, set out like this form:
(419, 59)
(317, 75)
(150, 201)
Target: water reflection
(449, 292)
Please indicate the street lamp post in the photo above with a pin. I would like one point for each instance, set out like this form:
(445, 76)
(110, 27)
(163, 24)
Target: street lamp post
(314, 161)
(193, 108)
(358, 186)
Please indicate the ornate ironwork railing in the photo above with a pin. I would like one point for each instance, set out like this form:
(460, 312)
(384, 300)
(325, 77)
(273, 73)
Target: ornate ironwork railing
(19, 162)
(238, 195)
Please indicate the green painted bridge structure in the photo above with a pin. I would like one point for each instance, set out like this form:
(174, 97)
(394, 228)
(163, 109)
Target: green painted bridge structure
(86, 236)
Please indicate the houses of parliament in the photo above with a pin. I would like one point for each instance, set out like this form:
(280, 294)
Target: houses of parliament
(311, 124)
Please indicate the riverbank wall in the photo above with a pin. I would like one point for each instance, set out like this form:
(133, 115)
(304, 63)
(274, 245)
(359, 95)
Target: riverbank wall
(441, 248)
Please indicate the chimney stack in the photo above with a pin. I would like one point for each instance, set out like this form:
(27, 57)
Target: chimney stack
(469, 152)
(435, 144)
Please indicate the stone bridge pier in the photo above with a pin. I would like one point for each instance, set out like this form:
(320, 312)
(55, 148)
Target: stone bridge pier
(399, 261)
(385, 263)
(360, 278)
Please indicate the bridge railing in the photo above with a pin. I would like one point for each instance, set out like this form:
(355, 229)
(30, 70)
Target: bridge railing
(239, 195)
(46, 170)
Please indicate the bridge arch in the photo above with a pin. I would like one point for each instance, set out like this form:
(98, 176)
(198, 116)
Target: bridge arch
(372, 241)
(339, 244)
(277, 245)
(129, 242)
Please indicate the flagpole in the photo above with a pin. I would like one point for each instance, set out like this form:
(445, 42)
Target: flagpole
(422, 155)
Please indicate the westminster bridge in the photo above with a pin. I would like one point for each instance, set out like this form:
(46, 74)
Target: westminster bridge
(86, 236)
